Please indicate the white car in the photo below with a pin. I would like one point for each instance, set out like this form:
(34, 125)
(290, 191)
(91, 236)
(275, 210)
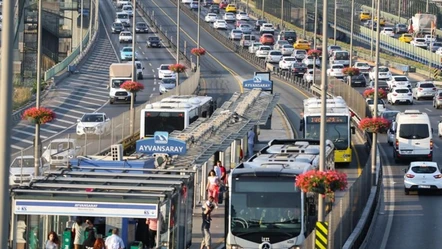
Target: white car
(128, 9)
(300, 54)
(93, 124)
(263, 51)
(186, 1)
(336, 70)
(363, 67)
(388, 31)
(381, 105)
(384, 73)
(22, 169)
(220, 24)
(60, 151)
(229, 17)
(211, 17)
(267, 28)
(166, 85)
(242, 16)
(308, 76)
(287, 49)
(424, 89)
(309, 60)
(398, 81)
(419, 42)
(287, 62)
(164, 72)
(439, 129)
(439, 51)
(422, 176)
(125, 36)
(235, 34)
(254, 47)
(274, 56)
(400, 95)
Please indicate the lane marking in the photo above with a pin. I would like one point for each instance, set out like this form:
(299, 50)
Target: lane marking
(74, 105)
(390, 201)
(17, 147)
(428, 109)
(22, 140)
(58, 126)
(84, 97)
(67, 109)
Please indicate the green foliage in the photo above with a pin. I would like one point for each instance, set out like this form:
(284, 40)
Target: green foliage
(42, 86)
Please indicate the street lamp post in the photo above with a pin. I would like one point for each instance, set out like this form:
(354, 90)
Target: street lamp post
(6, 111)
(198, 35)
(304, 11)
(315, 25)
(324, 82)
(282, 14)
(134, 67)
(352, 23)
(81, 25)
(427, 7)
(376, 97)
(334, 24)
(372, 31)
(37, 89)
(178, 27)
(262, 11)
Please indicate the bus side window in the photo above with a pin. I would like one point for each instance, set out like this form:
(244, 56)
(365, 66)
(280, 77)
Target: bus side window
(193, 115)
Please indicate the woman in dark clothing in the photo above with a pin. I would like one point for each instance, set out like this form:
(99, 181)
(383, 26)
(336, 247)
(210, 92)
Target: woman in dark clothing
(90, 235)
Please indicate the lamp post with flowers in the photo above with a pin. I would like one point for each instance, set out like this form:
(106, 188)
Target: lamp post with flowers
(325, 183)
(350, 72)
(38, 116)
(369, 93)
(374, 125)
(177, 69)
(198, 52)
(133, 87)
(315, 53)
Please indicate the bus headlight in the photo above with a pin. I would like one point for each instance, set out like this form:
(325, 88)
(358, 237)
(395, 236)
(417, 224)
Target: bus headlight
(234, 247)
(295, 247)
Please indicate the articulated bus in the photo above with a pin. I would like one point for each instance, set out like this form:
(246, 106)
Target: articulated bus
(174, 113)
(266, 209)
(338, 125)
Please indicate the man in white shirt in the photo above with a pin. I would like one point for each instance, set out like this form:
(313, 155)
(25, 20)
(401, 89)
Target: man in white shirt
(114, 241)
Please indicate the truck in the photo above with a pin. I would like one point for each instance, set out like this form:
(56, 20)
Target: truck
(422, 23)
(118, 74)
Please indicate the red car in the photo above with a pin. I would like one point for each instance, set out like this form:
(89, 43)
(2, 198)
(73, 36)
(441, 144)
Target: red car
(267, 39)
(237, 23)
(223, 5)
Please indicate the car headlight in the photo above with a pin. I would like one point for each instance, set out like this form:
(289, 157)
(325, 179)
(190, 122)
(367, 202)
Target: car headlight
(79, 126)
(234, 247)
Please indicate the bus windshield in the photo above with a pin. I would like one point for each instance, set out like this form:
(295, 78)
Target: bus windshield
(163, 121)
(337, 130)
(253, 216)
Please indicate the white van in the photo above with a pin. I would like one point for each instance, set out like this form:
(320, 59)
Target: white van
(123, 18)
(414, 138)
(340, 57)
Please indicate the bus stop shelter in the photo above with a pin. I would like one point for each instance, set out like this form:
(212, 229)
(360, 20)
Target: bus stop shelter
(49, 203)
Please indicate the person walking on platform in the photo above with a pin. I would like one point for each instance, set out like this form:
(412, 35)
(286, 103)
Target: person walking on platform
(250, 143)
(153, 227)
(78, 231)
(213, 185)
(207, 209)
(114, 241)
(53, 242)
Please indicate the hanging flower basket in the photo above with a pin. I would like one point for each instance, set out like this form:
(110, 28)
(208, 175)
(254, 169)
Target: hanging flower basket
(351, 71)
(38, 115)
(369, 93)
(374, 125)
(132, 86)
(177, 68)
(314, 52)
(322, 182)
(198, 51)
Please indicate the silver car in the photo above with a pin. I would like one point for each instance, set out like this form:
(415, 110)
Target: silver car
(287, 49)
(437, 99)
(245, 28)
(299, 54)
(235, 34)
(391, 133)
(424, 89)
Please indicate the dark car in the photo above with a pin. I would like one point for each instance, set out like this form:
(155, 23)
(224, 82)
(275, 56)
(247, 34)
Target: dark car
(358, 80)
(299, 69)
(389, 115)
(258, 24)
(153, 42)
(214, 9)
(207, 3)
(400, 28)
(381, 84)
(117, 27)
(289, 36)
(141, 27)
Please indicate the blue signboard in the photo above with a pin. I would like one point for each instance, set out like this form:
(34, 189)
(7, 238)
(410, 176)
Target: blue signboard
(161, 143)
(257, 82)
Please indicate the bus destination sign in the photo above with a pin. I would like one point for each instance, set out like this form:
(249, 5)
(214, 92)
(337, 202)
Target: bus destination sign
(329, 119)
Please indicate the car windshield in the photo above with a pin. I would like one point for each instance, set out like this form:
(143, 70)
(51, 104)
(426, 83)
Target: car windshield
(363, 65)
(414, 131)
(275, 53)
(127, 49)
(164, 67)
(420, 40)
(265, 48)
(427, 85)
(335, 48)
(301, 52)
(388, 29)
(371, 101)
(338, 66)
(383, 69)
(245, 26)
(287, 46)
(402, 90)
(407, 35)
(125, 34)
(168, 81)
(118, 25)
(260, 22)
(290, 34)
(92, 118)
(141, 25)
(236, 31)
(401, 26)
(389, 115)
(290, 59)
(359, 77)
(154, 38)
(23, 162)
(423, 169)
(400, 79)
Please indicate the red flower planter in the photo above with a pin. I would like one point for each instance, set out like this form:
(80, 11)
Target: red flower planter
(132, 86)
(314, 52)
(373, 125)
(369, 93)
(322, 182)
(177, 68)
(38, 115)
(351, 71)
(198, 51)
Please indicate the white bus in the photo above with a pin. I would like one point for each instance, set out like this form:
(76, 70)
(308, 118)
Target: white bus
(298, 150)
(174, 113)
(266, 209)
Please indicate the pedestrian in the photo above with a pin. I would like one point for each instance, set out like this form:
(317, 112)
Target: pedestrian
(217, 169)
(90, 235)
(153, 228)
(78, 231)
(52, 242)
(251, 142)
(205, 226)
(114, 241)
(213, 185)
(99, 242)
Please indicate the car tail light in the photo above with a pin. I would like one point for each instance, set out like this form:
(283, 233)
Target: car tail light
(394, 94)
(431, 144)
(420, 89)
(434, 88)
(440, 97)
(410, 94)
(409, 175)
(331, 70)
(397, 144)
(394, 85)
(439, 176)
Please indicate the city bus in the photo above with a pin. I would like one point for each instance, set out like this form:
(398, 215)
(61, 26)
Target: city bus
(174, 113)
(338, 125)
(266, 209)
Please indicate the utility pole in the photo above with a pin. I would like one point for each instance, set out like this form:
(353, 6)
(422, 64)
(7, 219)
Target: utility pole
(304, 25)
(427, 7)
(372, 31)
(90, 21)
(37, 90)
(6, 111)
(198, 35)
(316, 25)
(282, 14)
(81, 26)
(375, 99)
(178, 27)
(134, 67)
(352, 23)
(262, 11)
(335, 21)
(324, 84)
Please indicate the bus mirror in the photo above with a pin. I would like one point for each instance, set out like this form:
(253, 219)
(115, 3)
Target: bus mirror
(353, 130)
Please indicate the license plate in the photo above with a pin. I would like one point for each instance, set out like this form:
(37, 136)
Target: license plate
(121, 97)
(406, 151)
(424, 186)
(358, 82)
(402, 100)
(427, 93)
